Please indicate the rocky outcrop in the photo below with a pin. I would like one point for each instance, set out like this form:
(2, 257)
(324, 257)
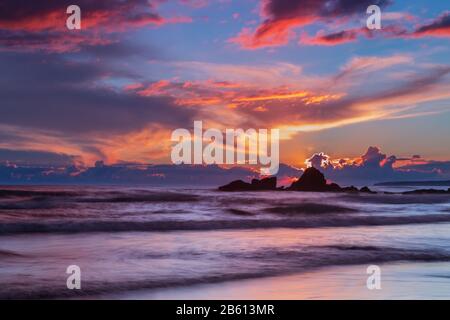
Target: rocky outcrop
(366, 190)
(311, 180)
(256, 185)
(428, 191)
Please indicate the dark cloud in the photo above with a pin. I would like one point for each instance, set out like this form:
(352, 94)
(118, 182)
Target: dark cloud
(283, 15)
(37, 158)
(23, 14)
(332, 39)
(286, 9)
(41, 25)
(341, 36)
(339, 8)
(50, 93)
(125, 174)
(438, 27)
(432, 167)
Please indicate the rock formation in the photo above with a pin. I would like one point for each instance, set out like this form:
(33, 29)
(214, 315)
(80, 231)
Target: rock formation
(311, 180)
(256, 185)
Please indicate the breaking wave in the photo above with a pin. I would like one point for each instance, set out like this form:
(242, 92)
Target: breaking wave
(277, 262)
(310, 208)
(207, 225)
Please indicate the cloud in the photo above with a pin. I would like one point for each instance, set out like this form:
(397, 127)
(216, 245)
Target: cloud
(41, 26)
(361, 66)
(69, 96)
(106, 14)
(432, 167)
(37, 158)
(66, 105)
(318, 160)
(374, 166)
(281, 17)
(126, 173)
(440, 27)
(331, 39)
(28, 166)
(283, 96)
(108, 111)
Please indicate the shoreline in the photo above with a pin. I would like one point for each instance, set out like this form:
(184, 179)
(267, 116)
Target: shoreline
(400, 280)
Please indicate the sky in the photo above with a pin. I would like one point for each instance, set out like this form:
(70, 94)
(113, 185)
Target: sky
(137, 70)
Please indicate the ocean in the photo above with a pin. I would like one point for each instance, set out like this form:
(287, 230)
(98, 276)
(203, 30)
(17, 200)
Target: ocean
(193, 243)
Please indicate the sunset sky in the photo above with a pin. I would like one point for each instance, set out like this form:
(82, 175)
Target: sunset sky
(137, 70)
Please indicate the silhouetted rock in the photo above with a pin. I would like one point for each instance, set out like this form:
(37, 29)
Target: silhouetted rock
(265, 184)
(428, 191)
(334, 187)
(350, 189)
(237, 185)
(366, 190)
(256, 185)
(313, 180)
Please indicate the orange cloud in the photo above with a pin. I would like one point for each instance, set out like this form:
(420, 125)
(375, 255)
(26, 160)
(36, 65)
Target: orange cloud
(231, 94)
(440, 27)
(281, 96)
(281, 17)
(270, 34)
(332, 39)
(155, 88)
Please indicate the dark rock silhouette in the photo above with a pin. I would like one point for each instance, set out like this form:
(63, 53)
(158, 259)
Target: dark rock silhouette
(366, 190)
(350, 189)
(256, 185)
(428, 191)
(265, 184)
(312, 180)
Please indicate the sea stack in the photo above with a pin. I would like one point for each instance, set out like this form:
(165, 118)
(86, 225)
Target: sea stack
(313, 180)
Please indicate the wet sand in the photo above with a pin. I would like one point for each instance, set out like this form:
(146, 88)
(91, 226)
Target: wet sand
(398, 281)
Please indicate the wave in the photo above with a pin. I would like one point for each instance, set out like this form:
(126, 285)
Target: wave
(33, 203)
(310, 208)
(398, 198)
(142, 197)
(240, 212)
(276, 262)
(189, 225)
(51, 200)
(4, 193)
(9, 254)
